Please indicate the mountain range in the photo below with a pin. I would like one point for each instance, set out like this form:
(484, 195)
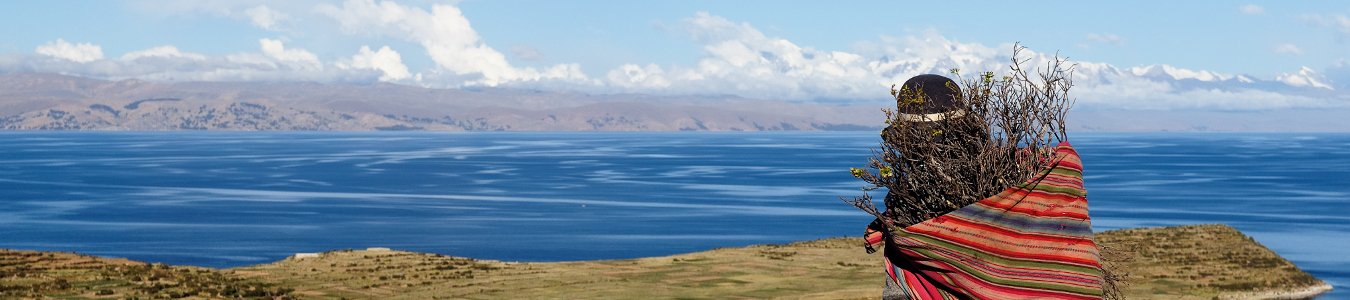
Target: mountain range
(44, 101)
(33, 101)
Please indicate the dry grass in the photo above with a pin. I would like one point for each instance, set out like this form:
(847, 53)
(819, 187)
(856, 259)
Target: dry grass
(35, 275)
(1198, 262)
(1190, 262)
(830, 268)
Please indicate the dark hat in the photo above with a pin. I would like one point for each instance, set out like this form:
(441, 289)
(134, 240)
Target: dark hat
(940, 96)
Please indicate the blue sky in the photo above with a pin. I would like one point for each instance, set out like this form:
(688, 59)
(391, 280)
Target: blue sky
(1258, 55)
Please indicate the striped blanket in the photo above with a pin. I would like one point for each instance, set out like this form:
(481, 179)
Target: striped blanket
(1029, 241)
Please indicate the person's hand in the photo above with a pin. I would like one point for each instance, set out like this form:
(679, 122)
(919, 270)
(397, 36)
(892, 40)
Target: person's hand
(875, 234)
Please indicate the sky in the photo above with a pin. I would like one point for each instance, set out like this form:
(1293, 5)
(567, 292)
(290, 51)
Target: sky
(1144, 55)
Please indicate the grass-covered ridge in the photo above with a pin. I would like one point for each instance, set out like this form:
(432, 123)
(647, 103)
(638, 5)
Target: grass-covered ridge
(1187, 262)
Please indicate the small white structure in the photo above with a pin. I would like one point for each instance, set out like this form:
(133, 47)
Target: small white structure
(378, 249)
(306, 255)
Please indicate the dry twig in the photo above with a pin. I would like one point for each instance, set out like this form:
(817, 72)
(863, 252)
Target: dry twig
(1003, 137)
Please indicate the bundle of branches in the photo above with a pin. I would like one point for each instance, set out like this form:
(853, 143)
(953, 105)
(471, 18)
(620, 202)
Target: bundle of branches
(1001, 133)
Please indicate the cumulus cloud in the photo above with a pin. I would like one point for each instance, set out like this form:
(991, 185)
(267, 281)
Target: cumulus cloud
(739, 59)
(297, 58)
(265, 17)
(81, 52)
(635, 77)
(1142, 93)
(736, 59)
(165, 51)
(1251, 9)
(385, 60)
(273, 60)
(446, 35)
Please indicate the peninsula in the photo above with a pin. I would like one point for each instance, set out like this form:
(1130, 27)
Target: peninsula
(1186, 262)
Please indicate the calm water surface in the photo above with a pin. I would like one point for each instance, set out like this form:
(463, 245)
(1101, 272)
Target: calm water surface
(231, 199)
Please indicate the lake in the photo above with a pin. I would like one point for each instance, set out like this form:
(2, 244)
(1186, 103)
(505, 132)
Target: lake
(232, 199)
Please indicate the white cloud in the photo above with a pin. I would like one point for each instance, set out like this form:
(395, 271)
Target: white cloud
(1106, 38)
(634, 77)
(737, 59)
(1287, 49)
(1337, 22)
(1251, 9)
(266, 14)
(272, 61)
(166, 51)
(1142, 93)
(82, 52)
(297, 58)
(265, 17)
(386, 60)
(448, 38)
(741, 60)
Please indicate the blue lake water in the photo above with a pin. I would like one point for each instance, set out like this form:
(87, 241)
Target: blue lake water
(232, 199)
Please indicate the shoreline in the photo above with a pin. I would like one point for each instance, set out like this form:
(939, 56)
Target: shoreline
(1183, 262)
(1291, 294)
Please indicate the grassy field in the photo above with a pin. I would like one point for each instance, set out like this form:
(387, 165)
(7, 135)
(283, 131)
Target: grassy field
(1190, 262)
(1201, 262)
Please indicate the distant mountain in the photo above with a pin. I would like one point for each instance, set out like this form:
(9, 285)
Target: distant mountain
(31, 101)
(58, 102)
(1305, 77)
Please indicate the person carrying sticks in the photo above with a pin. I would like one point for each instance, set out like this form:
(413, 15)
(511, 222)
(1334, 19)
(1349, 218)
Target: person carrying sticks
(985, 198)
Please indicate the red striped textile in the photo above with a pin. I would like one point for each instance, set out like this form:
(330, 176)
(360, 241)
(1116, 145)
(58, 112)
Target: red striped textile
(1032, 241)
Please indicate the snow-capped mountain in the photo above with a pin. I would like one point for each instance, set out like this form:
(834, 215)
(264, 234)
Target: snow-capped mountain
(1305, 77)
